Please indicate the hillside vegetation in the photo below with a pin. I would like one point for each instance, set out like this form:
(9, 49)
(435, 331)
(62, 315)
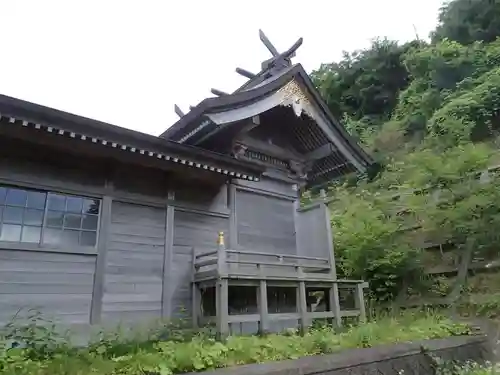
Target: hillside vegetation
(429, 112)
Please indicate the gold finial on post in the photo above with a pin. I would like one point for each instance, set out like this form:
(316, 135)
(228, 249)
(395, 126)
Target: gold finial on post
(220, 239)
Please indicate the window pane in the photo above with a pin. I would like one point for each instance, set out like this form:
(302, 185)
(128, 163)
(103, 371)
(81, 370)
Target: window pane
(74, 204)
(13, 215)
(70, 237)
(57, 202)
(3, 193)
(36, 200)
(88, 238)
(31, 234)
(54, 219)
(33, 217)
(16, 197)
(10, 233)
(90, 222)
(52, 236)
(22, 216)
(91, 206)
(72, 221)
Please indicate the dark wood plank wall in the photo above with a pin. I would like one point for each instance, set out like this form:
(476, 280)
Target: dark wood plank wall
(141, 268)
(136, 252)
(265, 216)
(192, 232)
(57, 285)
(134, 268)
(265, 223)
(312, 237)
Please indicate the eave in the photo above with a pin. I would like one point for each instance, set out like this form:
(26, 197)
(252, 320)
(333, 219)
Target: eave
(29, 115)
(197, 124)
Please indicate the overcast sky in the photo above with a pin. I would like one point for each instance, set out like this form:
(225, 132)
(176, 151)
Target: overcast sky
(128, 62)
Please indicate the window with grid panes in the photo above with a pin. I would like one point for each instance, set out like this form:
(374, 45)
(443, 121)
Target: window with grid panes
(46, 218)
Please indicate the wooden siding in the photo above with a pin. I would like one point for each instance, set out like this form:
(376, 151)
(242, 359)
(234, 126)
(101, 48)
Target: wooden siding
(209, 197)
(134, 263)
(270, 186)
(192, 231)
(57, 285)
(312, 236)
(68, 176)
(140, 184)
(147, 270)
(265, 223)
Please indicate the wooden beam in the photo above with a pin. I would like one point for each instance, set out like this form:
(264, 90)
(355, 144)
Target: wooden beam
(329, 235)
(321, 152)
(167, 292)
(102, 249)
(222, 308)
(178, 111)
(233, 221)
(333, 295)
(263, 310)
(195, 294)
(218, 92)
(269, 149)
(245, 73)
(360, 302)
(289, 53)
(280, 60)
(196, 305)
(268, 44)
(304, 319)
(255, 122)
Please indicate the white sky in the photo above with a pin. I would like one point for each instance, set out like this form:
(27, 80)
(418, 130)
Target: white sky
(127, 62)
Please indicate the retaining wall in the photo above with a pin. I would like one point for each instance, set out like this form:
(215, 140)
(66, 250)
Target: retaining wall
(413, 358)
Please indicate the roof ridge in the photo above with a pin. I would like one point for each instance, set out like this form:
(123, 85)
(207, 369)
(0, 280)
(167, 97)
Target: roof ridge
(269, 68)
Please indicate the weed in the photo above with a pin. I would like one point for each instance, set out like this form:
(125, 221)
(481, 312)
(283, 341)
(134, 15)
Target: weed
(167, 349)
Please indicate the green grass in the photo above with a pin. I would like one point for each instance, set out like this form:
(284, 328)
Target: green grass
(469, 368)
(115, 356)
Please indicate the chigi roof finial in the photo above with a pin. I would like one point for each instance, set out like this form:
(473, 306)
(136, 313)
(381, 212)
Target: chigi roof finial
(278, 60)
(178, 111)
(271, 66)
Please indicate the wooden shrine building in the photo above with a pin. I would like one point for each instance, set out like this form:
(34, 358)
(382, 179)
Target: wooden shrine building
(100, 224)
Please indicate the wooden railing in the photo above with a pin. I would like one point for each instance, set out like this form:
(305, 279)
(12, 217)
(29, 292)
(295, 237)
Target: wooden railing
(224, 267)
(304, 314)
(258, 264)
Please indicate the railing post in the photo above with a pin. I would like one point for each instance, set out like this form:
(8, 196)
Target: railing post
(222, 290)
(263, 310)
(335, 304)
(304, 319)
(360, 302)
(221, 255)
(195, 295)
(222, 308)
(329, 234)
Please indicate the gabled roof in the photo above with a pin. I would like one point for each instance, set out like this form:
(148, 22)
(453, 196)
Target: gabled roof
(201, 120)
(29, 115)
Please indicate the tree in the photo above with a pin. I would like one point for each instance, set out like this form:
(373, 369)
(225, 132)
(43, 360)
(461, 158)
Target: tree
(365, 84)
(467, 21)
(431, 114)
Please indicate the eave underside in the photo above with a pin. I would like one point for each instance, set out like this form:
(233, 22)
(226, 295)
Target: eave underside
(305, 136)
(302, 133)
(208, 126)
(24, 119)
